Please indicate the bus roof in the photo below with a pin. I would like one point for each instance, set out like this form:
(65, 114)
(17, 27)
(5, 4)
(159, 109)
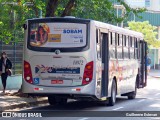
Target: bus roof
(99, 24)
(117, 29)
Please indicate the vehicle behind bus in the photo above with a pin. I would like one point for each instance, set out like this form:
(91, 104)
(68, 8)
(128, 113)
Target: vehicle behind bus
(82, 59)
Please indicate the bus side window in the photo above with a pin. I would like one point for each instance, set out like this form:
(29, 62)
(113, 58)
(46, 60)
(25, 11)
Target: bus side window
(110, 38)
(131, 49)
(138, 47)
(98, 42)
(122, 46)
(127, 46)
(110, 43)
(130, 42)
(135, 49)
(119, 46)
(116, 44)
(112, 49)
(125, 50)
(113, 38)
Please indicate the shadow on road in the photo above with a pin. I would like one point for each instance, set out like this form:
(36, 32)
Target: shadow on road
(83, 105)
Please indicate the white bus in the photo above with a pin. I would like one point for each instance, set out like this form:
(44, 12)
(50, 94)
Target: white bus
(72, 58)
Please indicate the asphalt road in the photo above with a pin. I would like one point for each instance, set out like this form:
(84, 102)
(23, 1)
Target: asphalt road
(148, 99)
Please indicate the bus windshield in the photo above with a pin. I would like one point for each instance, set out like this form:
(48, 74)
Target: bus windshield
(57, 35)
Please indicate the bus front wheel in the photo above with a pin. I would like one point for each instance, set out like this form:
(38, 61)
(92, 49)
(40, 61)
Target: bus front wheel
(112, 99)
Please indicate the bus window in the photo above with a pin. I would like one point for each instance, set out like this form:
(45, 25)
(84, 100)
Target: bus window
(112, 50)
(124, 40)
(98, 41)
(131, 48)
(122, 46)
(127, 41)
(120, 40)
(136, 46)
(119, 46)
(110, 38)
(130, 42)
(125, 48)
(113, 38)
(48, 36)
(135, 49)
(116, 44)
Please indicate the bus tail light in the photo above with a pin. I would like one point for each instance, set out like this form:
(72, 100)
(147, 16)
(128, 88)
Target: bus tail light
(27, 72)
(88, 73)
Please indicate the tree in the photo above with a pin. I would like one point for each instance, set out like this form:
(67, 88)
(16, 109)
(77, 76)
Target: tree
(13, 13)
(148, 31)
(90, 9)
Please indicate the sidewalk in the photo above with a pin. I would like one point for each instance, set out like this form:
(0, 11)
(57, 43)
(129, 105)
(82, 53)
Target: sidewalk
(8, 102)
(154, 73)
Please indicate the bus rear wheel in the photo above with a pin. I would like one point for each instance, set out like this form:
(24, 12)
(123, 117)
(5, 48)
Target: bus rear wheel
(132, 95)
(56, 101)
(112, 99)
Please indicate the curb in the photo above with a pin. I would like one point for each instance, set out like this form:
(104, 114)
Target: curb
(25, 104)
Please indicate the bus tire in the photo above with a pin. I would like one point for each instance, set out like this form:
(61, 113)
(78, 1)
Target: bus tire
(112, 99)
(63, 101)
(52, 100)
(132, 95)
(56, 101)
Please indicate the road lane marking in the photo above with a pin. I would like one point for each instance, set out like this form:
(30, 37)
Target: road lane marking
(83, 119)
(141, 100)
(118, 108)
(157, 94)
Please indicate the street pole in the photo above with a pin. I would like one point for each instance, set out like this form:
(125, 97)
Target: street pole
(117, 15)
(134, 16)
(40, 15)
(154, 58)
(121, 7)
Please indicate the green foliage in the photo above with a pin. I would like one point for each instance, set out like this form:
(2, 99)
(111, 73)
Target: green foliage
(13, 14)
(148, 31)
(95, 9)
(131, 10)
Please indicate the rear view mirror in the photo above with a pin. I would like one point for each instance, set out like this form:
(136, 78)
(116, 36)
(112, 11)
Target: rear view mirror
(24, 26)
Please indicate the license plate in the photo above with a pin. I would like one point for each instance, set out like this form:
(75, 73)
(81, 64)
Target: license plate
(56, 81)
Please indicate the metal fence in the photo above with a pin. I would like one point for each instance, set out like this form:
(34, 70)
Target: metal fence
(15, 54)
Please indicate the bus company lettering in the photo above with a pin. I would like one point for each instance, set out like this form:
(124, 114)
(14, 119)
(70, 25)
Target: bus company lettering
(57, 69)
(72, 31)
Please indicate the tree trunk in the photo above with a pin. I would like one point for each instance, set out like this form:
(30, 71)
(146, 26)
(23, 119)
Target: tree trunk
(68, 8)
(51, 8)
(35, 8)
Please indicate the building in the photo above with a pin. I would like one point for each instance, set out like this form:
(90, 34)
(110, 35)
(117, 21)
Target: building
(153, 16)
(150, 5)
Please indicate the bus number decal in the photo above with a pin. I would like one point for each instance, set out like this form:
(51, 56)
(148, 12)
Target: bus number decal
(78, 62)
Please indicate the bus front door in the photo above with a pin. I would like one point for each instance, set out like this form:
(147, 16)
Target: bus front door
(142, 81)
